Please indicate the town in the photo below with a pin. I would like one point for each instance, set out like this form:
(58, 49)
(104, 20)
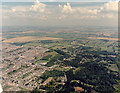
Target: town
(18, 70)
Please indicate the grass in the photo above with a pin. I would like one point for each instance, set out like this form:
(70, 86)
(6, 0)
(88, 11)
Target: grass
(19, 69)
(23, 89)
(33, 44)
(113, 67)
(27, 74)
(40, 61)
(6, 87)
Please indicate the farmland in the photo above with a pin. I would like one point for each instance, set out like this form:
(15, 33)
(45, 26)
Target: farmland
(27, 39)
(61, 60)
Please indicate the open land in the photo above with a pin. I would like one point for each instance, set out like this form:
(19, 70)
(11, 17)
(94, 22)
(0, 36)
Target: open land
(28, 38)
(66, 60)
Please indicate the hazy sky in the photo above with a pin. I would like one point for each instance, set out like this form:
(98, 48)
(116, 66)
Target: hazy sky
(58, 0)
(60, 13)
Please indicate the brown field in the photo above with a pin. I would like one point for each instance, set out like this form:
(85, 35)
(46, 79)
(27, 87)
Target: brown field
(76, 31)
(23, 32)
(116, 39)
(29, 38)
(28, 32)
(106, 34)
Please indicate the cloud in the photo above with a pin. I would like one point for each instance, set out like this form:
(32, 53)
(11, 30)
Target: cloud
(20, 9)
(13, 10)
(89, 17)
(51, 0)
(66, 8)
(110, 6)
(108, 16)
(77, 12)
(27, 11)
(38, 7)
(107, 10)
(83, 10)
(62, 17)
(68, 13)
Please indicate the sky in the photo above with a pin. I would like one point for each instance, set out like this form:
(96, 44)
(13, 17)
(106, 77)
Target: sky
(58, 14)
(58, 0)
